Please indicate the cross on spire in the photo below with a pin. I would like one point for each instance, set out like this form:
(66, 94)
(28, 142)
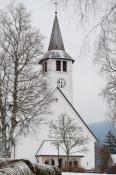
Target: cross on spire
(56, 6)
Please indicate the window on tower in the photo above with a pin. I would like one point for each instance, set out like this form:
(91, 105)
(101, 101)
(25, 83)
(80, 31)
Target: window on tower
(45, 67)
(58, 65)
(64, 66)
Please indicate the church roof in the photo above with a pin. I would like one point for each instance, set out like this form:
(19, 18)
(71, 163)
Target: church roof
(56, 54)
(56, 42)
(56, 48)
(78, 114)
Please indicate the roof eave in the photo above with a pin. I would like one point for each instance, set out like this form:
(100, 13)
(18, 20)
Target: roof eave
(57, 155)
(45, 59)
(78, 115)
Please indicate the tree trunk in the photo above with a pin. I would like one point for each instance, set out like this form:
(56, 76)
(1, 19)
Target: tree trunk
(3, 126)
(14, 110)
(67, 162)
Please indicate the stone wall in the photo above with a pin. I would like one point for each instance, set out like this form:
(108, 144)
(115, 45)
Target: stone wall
(25, 167)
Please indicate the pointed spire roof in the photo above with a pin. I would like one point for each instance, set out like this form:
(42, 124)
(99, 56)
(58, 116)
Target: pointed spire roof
(56, 48)
(56, 42)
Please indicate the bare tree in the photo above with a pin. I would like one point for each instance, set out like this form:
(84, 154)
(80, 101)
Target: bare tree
(106, 47)
(67, 134)
(85, 8)
(22, 91)
(105, 158)
(106, 58)
(81, 8)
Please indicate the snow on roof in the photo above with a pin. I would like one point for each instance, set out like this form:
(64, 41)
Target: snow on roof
(48, 149)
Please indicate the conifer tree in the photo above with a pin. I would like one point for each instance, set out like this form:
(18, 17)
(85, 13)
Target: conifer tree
(110, 142)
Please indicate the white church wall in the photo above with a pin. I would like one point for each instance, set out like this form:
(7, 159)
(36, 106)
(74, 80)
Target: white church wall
(113, 156)
(54, 75)
(88, 161)
(62, 106)
(40, 160)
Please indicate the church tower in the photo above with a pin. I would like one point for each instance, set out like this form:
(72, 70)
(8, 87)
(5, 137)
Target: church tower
(57, 64)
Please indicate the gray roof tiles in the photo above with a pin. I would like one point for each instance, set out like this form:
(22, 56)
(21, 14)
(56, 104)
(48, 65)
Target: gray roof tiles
(56, 48)
(56, 42)
(56, 54)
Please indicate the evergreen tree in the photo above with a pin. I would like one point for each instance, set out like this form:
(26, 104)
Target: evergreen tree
(110, 142)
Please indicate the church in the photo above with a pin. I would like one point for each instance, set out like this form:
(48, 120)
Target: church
(57, 66)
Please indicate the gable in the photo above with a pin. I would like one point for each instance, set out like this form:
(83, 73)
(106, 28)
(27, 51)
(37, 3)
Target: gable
(62, 105)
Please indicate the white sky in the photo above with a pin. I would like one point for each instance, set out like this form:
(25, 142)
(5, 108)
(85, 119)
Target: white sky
(87, 82)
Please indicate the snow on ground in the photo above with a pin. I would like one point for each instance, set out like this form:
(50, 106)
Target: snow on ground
(65, 173)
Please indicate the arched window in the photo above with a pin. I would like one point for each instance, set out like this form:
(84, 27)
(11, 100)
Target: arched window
(44, 67)
(52, 161)
(47, 162)
(58, 65)
(64, 66)
(60, 163)
(70, 164)
(75, 164)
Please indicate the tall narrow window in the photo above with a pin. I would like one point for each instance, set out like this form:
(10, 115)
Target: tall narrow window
(75, 164)
(58, 65)
(70, 164)
(45, 66)
(64, 66)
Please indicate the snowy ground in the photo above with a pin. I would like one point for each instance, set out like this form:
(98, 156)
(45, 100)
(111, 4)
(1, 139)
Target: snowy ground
(83, 174)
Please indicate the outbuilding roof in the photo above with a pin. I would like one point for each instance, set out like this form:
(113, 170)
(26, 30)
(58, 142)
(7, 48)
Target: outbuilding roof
(48, 149)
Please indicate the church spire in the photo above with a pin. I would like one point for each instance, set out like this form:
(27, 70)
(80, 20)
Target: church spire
(56, 42)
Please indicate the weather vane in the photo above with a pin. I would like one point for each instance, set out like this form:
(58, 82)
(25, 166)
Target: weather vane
(56, 6)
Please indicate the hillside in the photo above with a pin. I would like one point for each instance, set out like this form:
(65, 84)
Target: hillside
(100, 129)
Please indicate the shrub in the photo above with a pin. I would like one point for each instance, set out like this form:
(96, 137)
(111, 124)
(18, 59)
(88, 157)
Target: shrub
(112, 169)
(76, 169)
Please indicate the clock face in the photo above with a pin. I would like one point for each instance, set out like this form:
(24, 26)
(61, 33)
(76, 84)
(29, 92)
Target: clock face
(61, 82)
